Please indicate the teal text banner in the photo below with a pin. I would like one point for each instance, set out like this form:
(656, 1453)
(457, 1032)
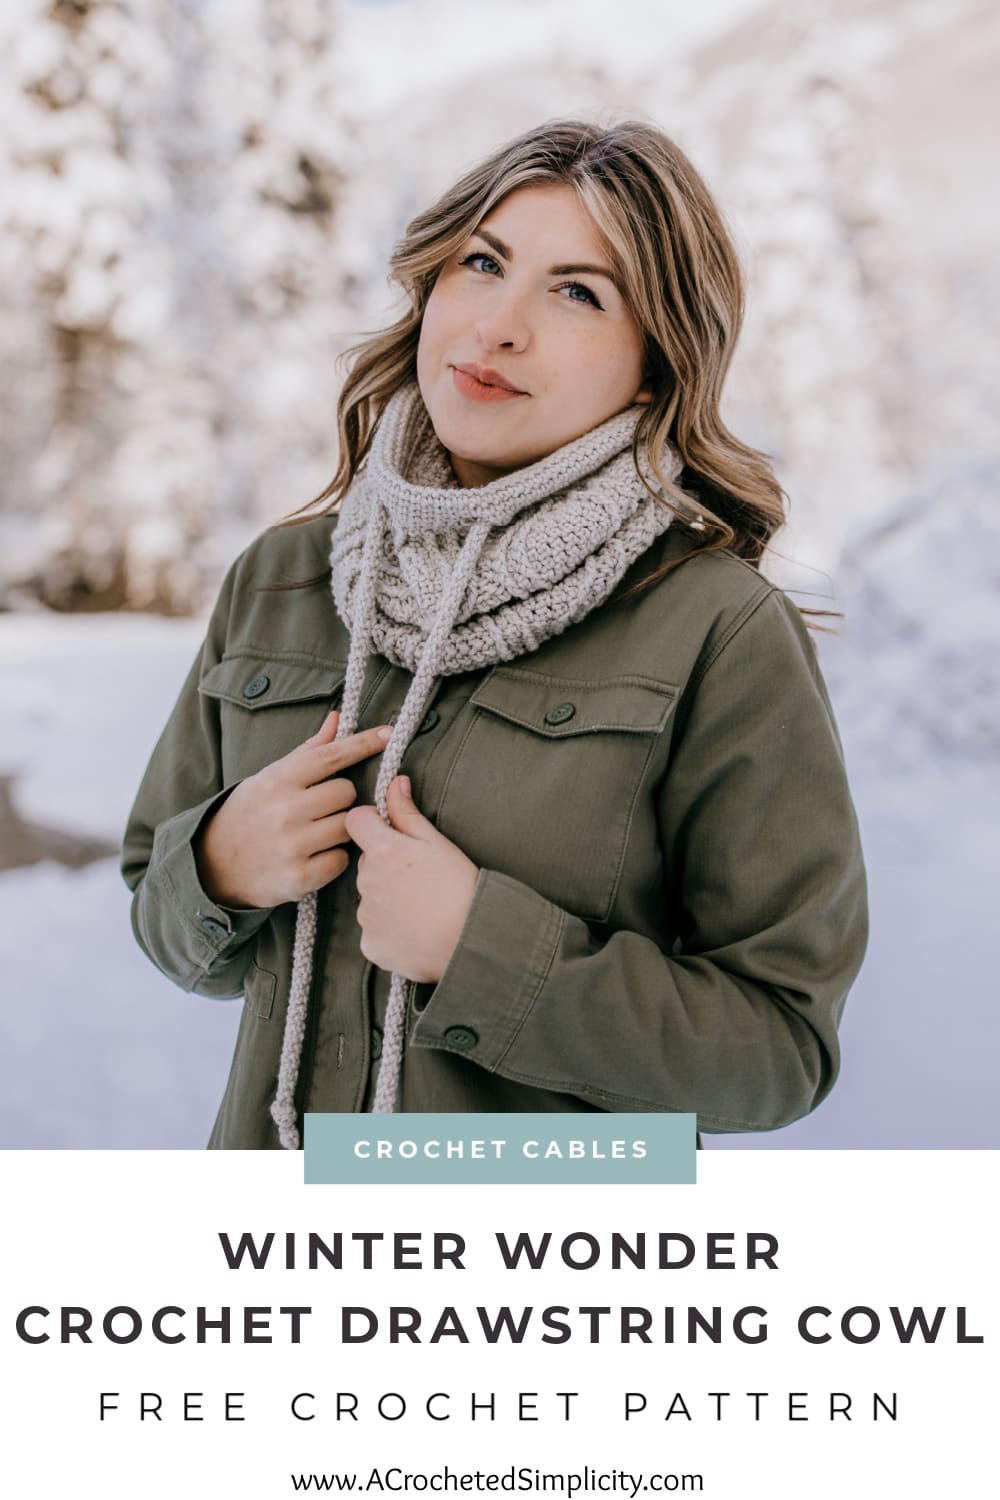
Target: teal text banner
(503, 1148)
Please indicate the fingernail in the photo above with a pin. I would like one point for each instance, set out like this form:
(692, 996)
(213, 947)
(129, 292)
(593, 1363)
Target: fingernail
(384, 733)
(404, 782)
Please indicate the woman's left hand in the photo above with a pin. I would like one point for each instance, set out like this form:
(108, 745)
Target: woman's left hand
(415, 885)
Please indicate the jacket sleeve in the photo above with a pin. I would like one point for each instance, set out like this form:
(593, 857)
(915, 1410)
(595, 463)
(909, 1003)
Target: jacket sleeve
(197, 943)
(736, 1017)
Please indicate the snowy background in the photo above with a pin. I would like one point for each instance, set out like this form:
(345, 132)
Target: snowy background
(197, 199)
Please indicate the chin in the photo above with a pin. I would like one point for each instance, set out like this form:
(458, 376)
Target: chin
(463, 438)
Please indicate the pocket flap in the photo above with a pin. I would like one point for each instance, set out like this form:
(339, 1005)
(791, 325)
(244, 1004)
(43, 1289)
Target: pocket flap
(561, 706)
(258, 680)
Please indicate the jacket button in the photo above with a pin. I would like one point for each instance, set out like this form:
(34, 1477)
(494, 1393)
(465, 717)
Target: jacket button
(217, 929)
(376, 1044)
(560, 713)
(462, 1037)
(431, 718)
(256, 686)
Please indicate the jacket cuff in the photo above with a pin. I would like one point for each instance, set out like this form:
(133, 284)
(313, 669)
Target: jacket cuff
(213, 930)
(495, 974)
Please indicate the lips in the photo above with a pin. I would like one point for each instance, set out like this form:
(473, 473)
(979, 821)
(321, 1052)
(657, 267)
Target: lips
(471, 388)
(487, 376)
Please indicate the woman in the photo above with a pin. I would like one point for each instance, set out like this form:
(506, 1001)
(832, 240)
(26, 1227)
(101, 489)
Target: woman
(622, 870)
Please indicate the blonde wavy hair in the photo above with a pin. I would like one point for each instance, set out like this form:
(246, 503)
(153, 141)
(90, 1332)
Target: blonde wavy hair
(678, 269)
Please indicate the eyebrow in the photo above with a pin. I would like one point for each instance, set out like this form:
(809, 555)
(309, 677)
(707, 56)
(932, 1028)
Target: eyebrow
(567, 270)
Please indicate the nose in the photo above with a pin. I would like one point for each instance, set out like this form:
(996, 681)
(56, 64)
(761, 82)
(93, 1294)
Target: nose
(504, 325)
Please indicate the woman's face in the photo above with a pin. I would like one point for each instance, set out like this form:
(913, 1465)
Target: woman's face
(528, 297)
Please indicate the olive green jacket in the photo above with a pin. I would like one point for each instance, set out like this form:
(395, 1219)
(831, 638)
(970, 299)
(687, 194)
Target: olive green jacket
(671, 903)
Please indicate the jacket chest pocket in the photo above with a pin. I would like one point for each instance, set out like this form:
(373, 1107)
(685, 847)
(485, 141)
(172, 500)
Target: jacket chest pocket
(268, 704)
(546, 783)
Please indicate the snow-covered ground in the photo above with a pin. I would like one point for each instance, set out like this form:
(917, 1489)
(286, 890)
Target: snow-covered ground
(97, 1049)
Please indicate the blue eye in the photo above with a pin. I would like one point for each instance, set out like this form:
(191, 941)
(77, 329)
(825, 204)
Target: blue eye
(477, 255)
(590, 296)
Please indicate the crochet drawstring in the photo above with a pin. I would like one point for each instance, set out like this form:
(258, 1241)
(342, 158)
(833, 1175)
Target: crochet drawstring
(411, 714)
(283, 1110)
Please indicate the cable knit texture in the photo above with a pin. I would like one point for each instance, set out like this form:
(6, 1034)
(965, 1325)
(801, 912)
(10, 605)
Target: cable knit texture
(440, 579)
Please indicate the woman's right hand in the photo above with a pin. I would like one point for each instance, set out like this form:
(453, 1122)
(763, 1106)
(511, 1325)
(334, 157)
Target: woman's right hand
(276, 837)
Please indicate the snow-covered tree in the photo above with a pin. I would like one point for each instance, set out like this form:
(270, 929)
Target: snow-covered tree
(171, 172)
